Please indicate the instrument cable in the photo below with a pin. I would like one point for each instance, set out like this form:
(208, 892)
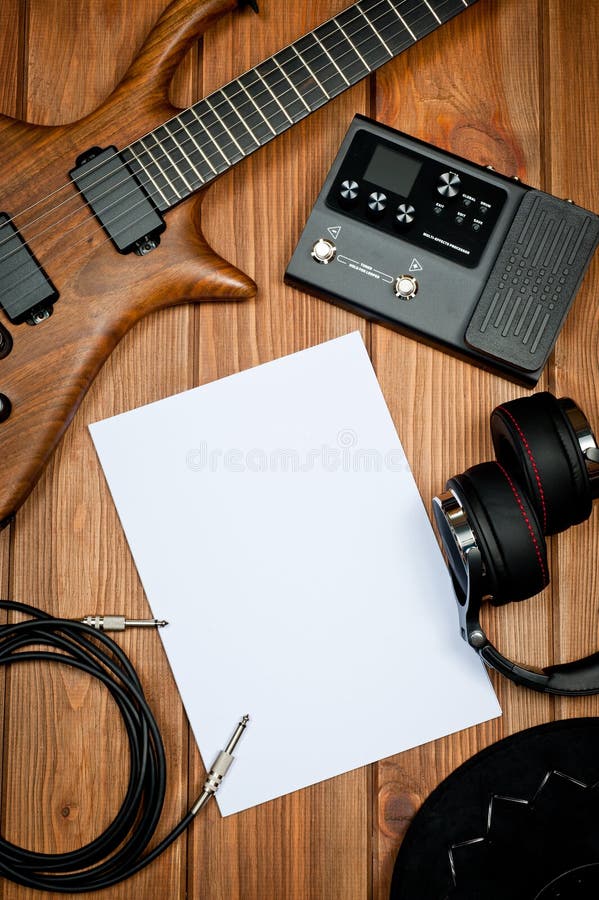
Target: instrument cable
(117, 853)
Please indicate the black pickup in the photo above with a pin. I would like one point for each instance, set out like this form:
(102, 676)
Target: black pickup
(25, 289)
(117, 199)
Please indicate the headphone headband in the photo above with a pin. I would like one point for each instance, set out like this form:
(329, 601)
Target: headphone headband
(578, 678)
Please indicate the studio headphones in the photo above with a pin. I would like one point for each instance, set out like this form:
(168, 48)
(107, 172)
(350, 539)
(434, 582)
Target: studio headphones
(493, 519)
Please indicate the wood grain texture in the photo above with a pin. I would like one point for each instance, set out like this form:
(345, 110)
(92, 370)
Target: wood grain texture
(50, 369)
(12, 39)
(500, 85)
(572, 168)
(317, 829)
(492, 119)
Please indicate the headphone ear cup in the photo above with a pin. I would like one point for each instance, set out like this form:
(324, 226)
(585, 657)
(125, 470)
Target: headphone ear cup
(507, 531)
(536, 444)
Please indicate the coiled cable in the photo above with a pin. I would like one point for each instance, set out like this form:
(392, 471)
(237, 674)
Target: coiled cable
(121, 850)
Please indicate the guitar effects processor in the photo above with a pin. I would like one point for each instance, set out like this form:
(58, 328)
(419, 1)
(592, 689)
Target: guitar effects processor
(449, 252)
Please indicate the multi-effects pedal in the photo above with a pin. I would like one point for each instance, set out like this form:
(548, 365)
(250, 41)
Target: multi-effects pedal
(452, 253)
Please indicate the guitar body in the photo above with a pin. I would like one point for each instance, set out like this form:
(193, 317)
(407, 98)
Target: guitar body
(102, 293)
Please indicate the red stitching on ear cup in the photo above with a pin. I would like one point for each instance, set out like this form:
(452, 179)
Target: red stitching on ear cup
(535, 443)
(528, 524)
(533, 463)
(507, 531)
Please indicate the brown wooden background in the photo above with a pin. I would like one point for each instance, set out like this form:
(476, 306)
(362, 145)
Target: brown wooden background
(512, 83)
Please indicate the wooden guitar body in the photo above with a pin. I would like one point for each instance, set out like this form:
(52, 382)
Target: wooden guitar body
(102, 293)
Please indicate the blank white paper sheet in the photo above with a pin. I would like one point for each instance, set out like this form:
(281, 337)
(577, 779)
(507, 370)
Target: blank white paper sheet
(276, 525)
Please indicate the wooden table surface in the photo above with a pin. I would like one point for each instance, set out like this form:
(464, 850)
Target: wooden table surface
(509, 83)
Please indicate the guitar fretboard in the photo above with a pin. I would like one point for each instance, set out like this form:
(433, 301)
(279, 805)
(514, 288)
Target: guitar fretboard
(190, 150)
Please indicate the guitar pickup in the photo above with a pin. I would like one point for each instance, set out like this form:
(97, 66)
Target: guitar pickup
(26, 292)
(118, 200)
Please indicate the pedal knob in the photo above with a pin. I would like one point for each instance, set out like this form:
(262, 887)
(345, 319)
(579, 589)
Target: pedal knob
(377, 204)
(348, 192)
(323, 251)
(5, 407)
(405, 287)
(405, 215)
(449, 185)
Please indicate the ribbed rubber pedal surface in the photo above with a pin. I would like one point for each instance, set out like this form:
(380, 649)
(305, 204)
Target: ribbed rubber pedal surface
(534, 281)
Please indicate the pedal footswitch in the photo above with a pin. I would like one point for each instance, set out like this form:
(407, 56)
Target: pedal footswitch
(488, 266)
(323, 251)
(405, 287)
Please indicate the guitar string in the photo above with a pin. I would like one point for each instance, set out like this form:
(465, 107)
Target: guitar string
(345, 39)
(212, 142)
(387, 4)
(262, 93)
(149, 182)
(91, 220)
(146, 183)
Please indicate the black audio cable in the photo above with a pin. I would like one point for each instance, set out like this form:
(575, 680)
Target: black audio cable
(119, 851)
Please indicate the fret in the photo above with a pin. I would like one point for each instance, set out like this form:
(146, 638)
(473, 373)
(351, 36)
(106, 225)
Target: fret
(335, 41)
(265, 100)
(390, 24)
(448, 8)
(189, 123)
(230, 121)
(318, 56)
(302, 78)
(230, 111)
(316, 80)
(433, 12)
(162, 162)
(161, 198)
(179, 158)
(363, 37)
(281, 88)
(217, 133)
(419, 17)
(210, 162)
(345, 34)
(180, 150)
(288, 78)
(149, 171)
(247, 110)
(190, 150)
(375, 31)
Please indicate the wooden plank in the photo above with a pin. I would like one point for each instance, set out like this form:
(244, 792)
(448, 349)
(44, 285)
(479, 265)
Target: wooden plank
(89, 47)
(314, 843)
(12, 36)
(486, 112)
(4, 592)
(571, 140)
(496, 86)
(12, 41)
(11, 59)
(80, 562)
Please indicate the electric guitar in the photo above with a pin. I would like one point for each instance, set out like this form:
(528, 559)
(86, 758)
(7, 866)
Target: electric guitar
(100, 220)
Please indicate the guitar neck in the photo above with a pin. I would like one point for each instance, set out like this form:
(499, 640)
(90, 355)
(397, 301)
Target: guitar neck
(205, 140)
